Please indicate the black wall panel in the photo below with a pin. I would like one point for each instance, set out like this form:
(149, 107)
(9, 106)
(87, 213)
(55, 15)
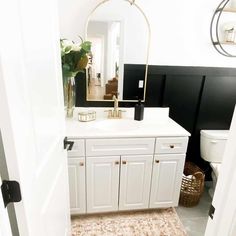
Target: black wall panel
(80, 83)
(132, 75)
(182, 96)
(155, 90)
(217, 103)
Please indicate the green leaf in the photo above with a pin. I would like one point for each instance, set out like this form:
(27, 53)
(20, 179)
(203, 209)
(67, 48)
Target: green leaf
(71, 56)
(67, 49)
(86, 46)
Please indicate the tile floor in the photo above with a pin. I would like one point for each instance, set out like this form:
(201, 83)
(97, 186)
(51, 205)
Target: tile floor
(195, 218)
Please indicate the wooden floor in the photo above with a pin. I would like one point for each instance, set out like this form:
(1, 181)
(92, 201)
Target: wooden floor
(95, 91)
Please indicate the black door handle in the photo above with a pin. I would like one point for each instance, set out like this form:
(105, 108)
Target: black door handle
(11, 192)
(68, 144)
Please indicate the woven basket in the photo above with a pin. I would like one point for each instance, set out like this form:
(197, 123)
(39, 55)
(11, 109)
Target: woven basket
(191, 188)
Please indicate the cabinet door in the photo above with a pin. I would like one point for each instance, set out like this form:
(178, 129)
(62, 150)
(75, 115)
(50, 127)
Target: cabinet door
(166, 180)
(102, 183)
(76, 168)
(135, 180)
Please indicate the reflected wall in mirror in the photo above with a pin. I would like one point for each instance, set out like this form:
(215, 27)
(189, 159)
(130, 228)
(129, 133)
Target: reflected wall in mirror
(120, 36)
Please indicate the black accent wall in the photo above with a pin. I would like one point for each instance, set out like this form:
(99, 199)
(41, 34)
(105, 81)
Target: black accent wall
(198, 97)
(132, 75)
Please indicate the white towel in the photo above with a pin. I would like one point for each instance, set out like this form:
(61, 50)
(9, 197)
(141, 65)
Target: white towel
(189, 176)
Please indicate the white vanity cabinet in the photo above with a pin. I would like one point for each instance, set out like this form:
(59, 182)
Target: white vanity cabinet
(111, 174)
(167, 171)
(135, 180)
(76, 172)
(118, 182)
(166, 180)
(125, 176)
(102, 175)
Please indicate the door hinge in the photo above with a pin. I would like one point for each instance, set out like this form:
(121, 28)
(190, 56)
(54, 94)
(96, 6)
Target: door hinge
(68, 144)
(212, 211)
(10, 192)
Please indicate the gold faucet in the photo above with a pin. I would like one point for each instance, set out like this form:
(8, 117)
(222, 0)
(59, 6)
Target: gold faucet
(116, 103)
(116, 113)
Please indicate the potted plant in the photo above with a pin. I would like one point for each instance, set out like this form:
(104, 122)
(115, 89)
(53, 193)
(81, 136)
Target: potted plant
(74, 59)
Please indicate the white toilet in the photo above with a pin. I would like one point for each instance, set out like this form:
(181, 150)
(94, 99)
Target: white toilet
(212, 146)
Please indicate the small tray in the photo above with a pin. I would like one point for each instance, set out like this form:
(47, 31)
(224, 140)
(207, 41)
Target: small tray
(86, 116)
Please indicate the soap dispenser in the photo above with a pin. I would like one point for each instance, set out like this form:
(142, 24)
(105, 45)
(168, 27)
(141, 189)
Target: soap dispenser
(138, 111)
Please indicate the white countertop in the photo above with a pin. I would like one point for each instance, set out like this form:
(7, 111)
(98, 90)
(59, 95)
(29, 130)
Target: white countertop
(156, 123)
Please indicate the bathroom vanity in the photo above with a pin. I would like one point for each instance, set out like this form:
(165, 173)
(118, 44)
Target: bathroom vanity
(123, 164)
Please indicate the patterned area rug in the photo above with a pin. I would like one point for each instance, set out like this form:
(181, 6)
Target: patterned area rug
(162, 222)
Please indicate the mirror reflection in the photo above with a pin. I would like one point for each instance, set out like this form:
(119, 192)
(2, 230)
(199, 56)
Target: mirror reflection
(119, 32)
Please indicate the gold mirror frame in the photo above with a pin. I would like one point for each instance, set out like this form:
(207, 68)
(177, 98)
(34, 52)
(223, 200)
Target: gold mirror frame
(132, 3)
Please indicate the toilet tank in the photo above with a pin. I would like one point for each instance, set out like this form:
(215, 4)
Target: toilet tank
(212, 144)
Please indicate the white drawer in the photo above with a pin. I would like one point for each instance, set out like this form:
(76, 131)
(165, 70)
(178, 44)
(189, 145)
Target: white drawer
(101, 147)
(171, 145)
(78, 149)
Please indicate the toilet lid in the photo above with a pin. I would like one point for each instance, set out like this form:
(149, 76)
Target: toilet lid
(216, 168)
(215, 134)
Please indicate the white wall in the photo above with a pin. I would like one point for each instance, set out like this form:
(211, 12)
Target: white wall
(180, 30)
(100, 29)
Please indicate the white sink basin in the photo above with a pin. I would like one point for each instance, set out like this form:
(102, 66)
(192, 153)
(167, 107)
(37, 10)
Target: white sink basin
(117, 125)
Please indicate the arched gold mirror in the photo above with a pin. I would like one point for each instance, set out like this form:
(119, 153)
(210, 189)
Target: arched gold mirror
(120, 35)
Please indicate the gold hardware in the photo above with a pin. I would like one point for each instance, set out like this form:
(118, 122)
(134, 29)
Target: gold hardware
(157, 161)
(116, 103)
(109, 116)
(117, 162)
(81, 164)
(124, 162)
(115, 113)
(172, 146)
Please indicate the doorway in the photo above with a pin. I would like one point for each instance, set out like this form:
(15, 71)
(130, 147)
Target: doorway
(96, 89)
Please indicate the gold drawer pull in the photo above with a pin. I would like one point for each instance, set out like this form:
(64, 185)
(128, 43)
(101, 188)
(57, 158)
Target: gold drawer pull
(81, 164)
(117, 162)
(172, 146)
(124, 162)
(157, 161)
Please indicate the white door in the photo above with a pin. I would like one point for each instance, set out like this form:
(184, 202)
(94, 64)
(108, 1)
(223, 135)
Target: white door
(102, 183)
(32, 115)
(135, 180)
(224, 218)
(166, 180)
(5, 228)
(76, 169)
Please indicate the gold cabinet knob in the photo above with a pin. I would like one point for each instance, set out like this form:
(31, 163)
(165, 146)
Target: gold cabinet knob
(124, 162)
(172, 146)
(117, 163)
(81, 164)
(157, 161)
